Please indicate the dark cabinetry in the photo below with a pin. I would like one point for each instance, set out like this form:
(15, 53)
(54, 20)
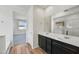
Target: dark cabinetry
(59, 48)
(48, 45)
(45, 43)
(52, 46)
(42, 42)
(64, 48)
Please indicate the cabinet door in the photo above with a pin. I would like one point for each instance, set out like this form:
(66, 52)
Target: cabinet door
(48, 45)
(42, 42)
(58, 48)
(39, 40)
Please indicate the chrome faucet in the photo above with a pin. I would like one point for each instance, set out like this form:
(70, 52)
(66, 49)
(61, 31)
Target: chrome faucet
(67, 32)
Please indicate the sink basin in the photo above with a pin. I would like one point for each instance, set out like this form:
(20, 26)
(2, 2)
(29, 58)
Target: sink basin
(62, 38)
(66, 37)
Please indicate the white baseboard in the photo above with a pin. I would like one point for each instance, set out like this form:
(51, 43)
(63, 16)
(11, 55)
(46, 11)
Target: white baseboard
(35, 46)
(9, 47)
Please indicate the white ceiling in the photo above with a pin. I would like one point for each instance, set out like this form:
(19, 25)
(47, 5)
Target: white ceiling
(26, 7)
(60, 8)
(56, 8)
(43, 6)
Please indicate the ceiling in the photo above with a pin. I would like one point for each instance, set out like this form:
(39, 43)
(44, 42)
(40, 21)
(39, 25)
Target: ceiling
(60, 8)
(56, 8)
(43, 6)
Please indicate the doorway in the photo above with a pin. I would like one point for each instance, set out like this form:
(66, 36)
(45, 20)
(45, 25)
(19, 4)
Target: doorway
(19, 29)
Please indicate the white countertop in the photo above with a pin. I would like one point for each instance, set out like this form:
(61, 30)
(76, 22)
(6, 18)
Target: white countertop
(60, 37)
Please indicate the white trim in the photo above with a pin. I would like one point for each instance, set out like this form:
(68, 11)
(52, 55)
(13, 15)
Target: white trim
(9, 47)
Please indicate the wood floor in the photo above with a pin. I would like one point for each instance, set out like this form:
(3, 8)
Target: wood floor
(26, 49)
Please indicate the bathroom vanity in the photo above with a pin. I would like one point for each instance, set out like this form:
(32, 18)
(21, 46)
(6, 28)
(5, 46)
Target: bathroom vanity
(58, 44)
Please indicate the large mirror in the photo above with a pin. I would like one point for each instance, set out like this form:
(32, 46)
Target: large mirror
(68, 25)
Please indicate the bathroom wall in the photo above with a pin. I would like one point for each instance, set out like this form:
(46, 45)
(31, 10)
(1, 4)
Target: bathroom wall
(38, 24)
(38, 21)
(30, 26)
(6, 24)
(41, 22)
(6, 21)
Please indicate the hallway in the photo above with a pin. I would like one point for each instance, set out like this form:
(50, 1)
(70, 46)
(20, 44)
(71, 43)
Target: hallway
(26, 49)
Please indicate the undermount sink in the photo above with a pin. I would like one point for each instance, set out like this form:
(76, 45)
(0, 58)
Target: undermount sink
(58, 36)
(66, 37)
(47, 33)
